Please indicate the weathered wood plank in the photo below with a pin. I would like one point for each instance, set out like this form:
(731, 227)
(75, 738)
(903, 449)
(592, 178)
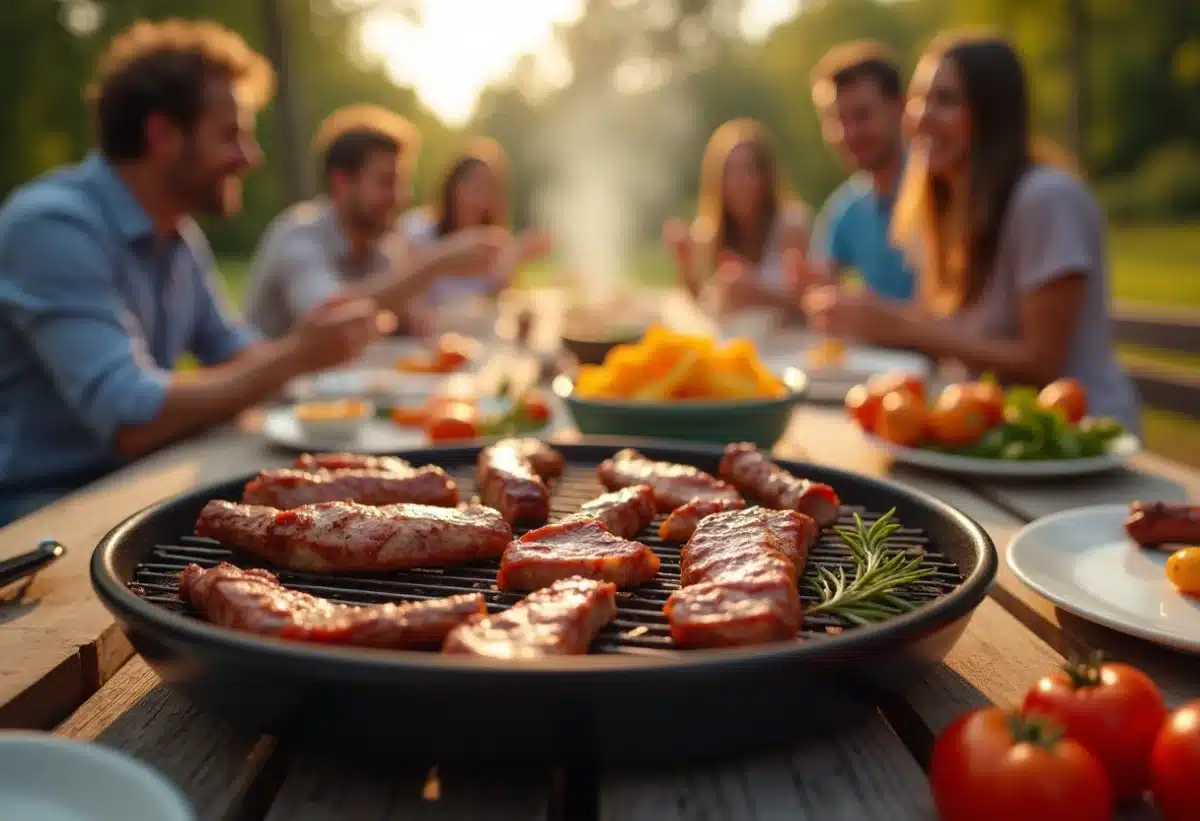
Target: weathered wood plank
(62, 626)
(862, 772)
(216, 765)
(1166, 388)
(320, 787)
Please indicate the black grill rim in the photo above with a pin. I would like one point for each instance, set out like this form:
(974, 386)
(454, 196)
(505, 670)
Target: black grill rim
(333, 662)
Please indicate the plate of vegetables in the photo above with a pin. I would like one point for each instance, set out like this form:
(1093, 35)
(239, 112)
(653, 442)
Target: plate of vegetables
(981, 429)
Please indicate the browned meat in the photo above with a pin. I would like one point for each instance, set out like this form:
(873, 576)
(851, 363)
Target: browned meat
(351, 461)
(577, 546)
(739, 574)
(511, 476)
(1154, 523)
(558, 620)
(623, 512)
(752, 472)
(289, 487)
(255, 601)
(673, 485)
(681, 524)
(346, 536)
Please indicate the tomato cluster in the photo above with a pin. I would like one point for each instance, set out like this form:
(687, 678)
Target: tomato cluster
(457, 418)
(1085, 737)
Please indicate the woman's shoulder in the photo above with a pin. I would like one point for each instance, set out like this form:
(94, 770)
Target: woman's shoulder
(1045, 186)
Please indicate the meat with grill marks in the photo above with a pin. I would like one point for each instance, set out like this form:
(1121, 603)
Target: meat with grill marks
(752, 472)
(255, 601)
(576, 546)
(622, 512)
(347, 536)
(291, 487)
(673, 484)
(562, 619)
(351, 461)
(739, 574)
(682, 523)
(511, 476)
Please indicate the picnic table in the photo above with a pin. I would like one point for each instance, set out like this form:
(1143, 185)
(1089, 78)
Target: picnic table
(65, 666)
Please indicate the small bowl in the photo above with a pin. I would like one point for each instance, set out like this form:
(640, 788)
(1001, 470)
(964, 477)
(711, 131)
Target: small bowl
(333, 421)
(761, 421)
(49, 778)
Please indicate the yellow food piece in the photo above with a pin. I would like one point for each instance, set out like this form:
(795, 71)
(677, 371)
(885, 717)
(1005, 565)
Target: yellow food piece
(664, 365)
(325, 411)
(1183, 570)
(831, 353)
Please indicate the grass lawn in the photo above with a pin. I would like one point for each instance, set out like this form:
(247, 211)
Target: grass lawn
(1154, 265)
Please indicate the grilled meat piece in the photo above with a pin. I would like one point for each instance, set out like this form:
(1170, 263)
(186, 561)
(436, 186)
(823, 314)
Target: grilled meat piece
(1154, 523)
(346, 536)
(576, 546)
(752, 472)
(509, 478)
(673, 484)
(623, 512)
(681, 524)
(351, 461)
(255, 601)
(739, 574)
(558, 620)
(289, 487)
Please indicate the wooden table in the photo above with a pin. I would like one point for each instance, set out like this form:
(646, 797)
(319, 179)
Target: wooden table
(64, 666)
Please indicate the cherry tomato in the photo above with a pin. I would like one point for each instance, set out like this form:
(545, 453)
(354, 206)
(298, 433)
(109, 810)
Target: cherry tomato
(1113, 710)
(1067, 396)
(454, 421)
(534, 406)
(863, 407)
(884, 383)
(990, 765)
(902, 418)
(990, 398)
(1183, 570)
(1175, 763)
(957, 418)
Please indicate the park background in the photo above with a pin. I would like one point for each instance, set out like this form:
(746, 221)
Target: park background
(604, 107)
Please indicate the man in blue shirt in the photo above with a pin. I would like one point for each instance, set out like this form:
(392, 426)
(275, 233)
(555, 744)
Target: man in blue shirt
(105, 279)
(857, 91)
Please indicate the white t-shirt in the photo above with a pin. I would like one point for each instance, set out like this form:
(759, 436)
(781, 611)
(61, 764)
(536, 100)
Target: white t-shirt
(421, 231)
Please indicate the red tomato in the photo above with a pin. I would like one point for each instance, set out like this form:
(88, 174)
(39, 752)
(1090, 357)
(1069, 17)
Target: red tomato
(1112, 709)
(863, 407)
(902, 418)
(990, 397)
(990, 765)
(957, 418)
(884, 383)
(453, 422)
(534, 406)
(1175, 765)
(1065, 395)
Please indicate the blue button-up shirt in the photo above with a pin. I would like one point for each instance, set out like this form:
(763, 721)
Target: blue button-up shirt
(95, 310)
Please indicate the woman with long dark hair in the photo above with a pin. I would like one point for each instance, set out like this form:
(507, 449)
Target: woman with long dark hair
(748, 227)
(1009, 244)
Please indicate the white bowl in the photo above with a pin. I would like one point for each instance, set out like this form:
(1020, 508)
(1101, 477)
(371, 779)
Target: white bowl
(47, 778)
(337, 429)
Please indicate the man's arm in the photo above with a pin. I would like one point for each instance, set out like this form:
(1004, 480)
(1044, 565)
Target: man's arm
(217, 337)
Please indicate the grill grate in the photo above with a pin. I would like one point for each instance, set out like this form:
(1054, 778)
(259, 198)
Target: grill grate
(640, 626)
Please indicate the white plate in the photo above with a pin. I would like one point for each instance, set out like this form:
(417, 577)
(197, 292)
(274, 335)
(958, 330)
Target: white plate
(1119, 452)
(1082, 561)
(47, 778)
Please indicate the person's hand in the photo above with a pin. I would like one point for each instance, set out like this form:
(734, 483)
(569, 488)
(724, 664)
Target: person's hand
(802, 274)
(336, 331)
(678, 241)
(475, 250)
(859, 315)
(733, 284)
(534, 244)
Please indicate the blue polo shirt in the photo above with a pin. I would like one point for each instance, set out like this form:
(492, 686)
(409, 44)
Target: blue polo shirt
(853, 232)
(95, 311)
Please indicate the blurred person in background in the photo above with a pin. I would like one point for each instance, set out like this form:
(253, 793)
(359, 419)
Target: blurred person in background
(857, 91)
(106, 281)
(473, 192)
(349, 239)
(749, 236)
(1013, 256)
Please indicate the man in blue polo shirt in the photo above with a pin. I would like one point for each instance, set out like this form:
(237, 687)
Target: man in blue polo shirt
(105, 279)
(857, 91)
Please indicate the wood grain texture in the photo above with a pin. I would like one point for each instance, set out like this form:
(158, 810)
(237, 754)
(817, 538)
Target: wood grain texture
(863, 772)
(59, 620)
(320, 788)
(215, 764)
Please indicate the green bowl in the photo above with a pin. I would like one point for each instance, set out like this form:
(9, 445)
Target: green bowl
(761, 421)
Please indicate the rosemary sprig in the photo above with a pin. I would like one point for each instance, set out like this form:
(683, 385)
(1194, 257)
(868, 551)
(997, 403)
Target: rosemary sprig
(872, 594)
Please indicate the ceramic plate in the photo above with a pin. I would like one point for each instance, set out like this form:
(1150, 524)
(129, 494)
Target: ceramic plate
(48, 778)
(1119, 452)
(1082, 561)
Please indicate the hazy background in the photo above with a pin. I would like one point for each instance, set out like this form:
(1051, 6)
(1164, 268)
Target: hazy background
(604, 107)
